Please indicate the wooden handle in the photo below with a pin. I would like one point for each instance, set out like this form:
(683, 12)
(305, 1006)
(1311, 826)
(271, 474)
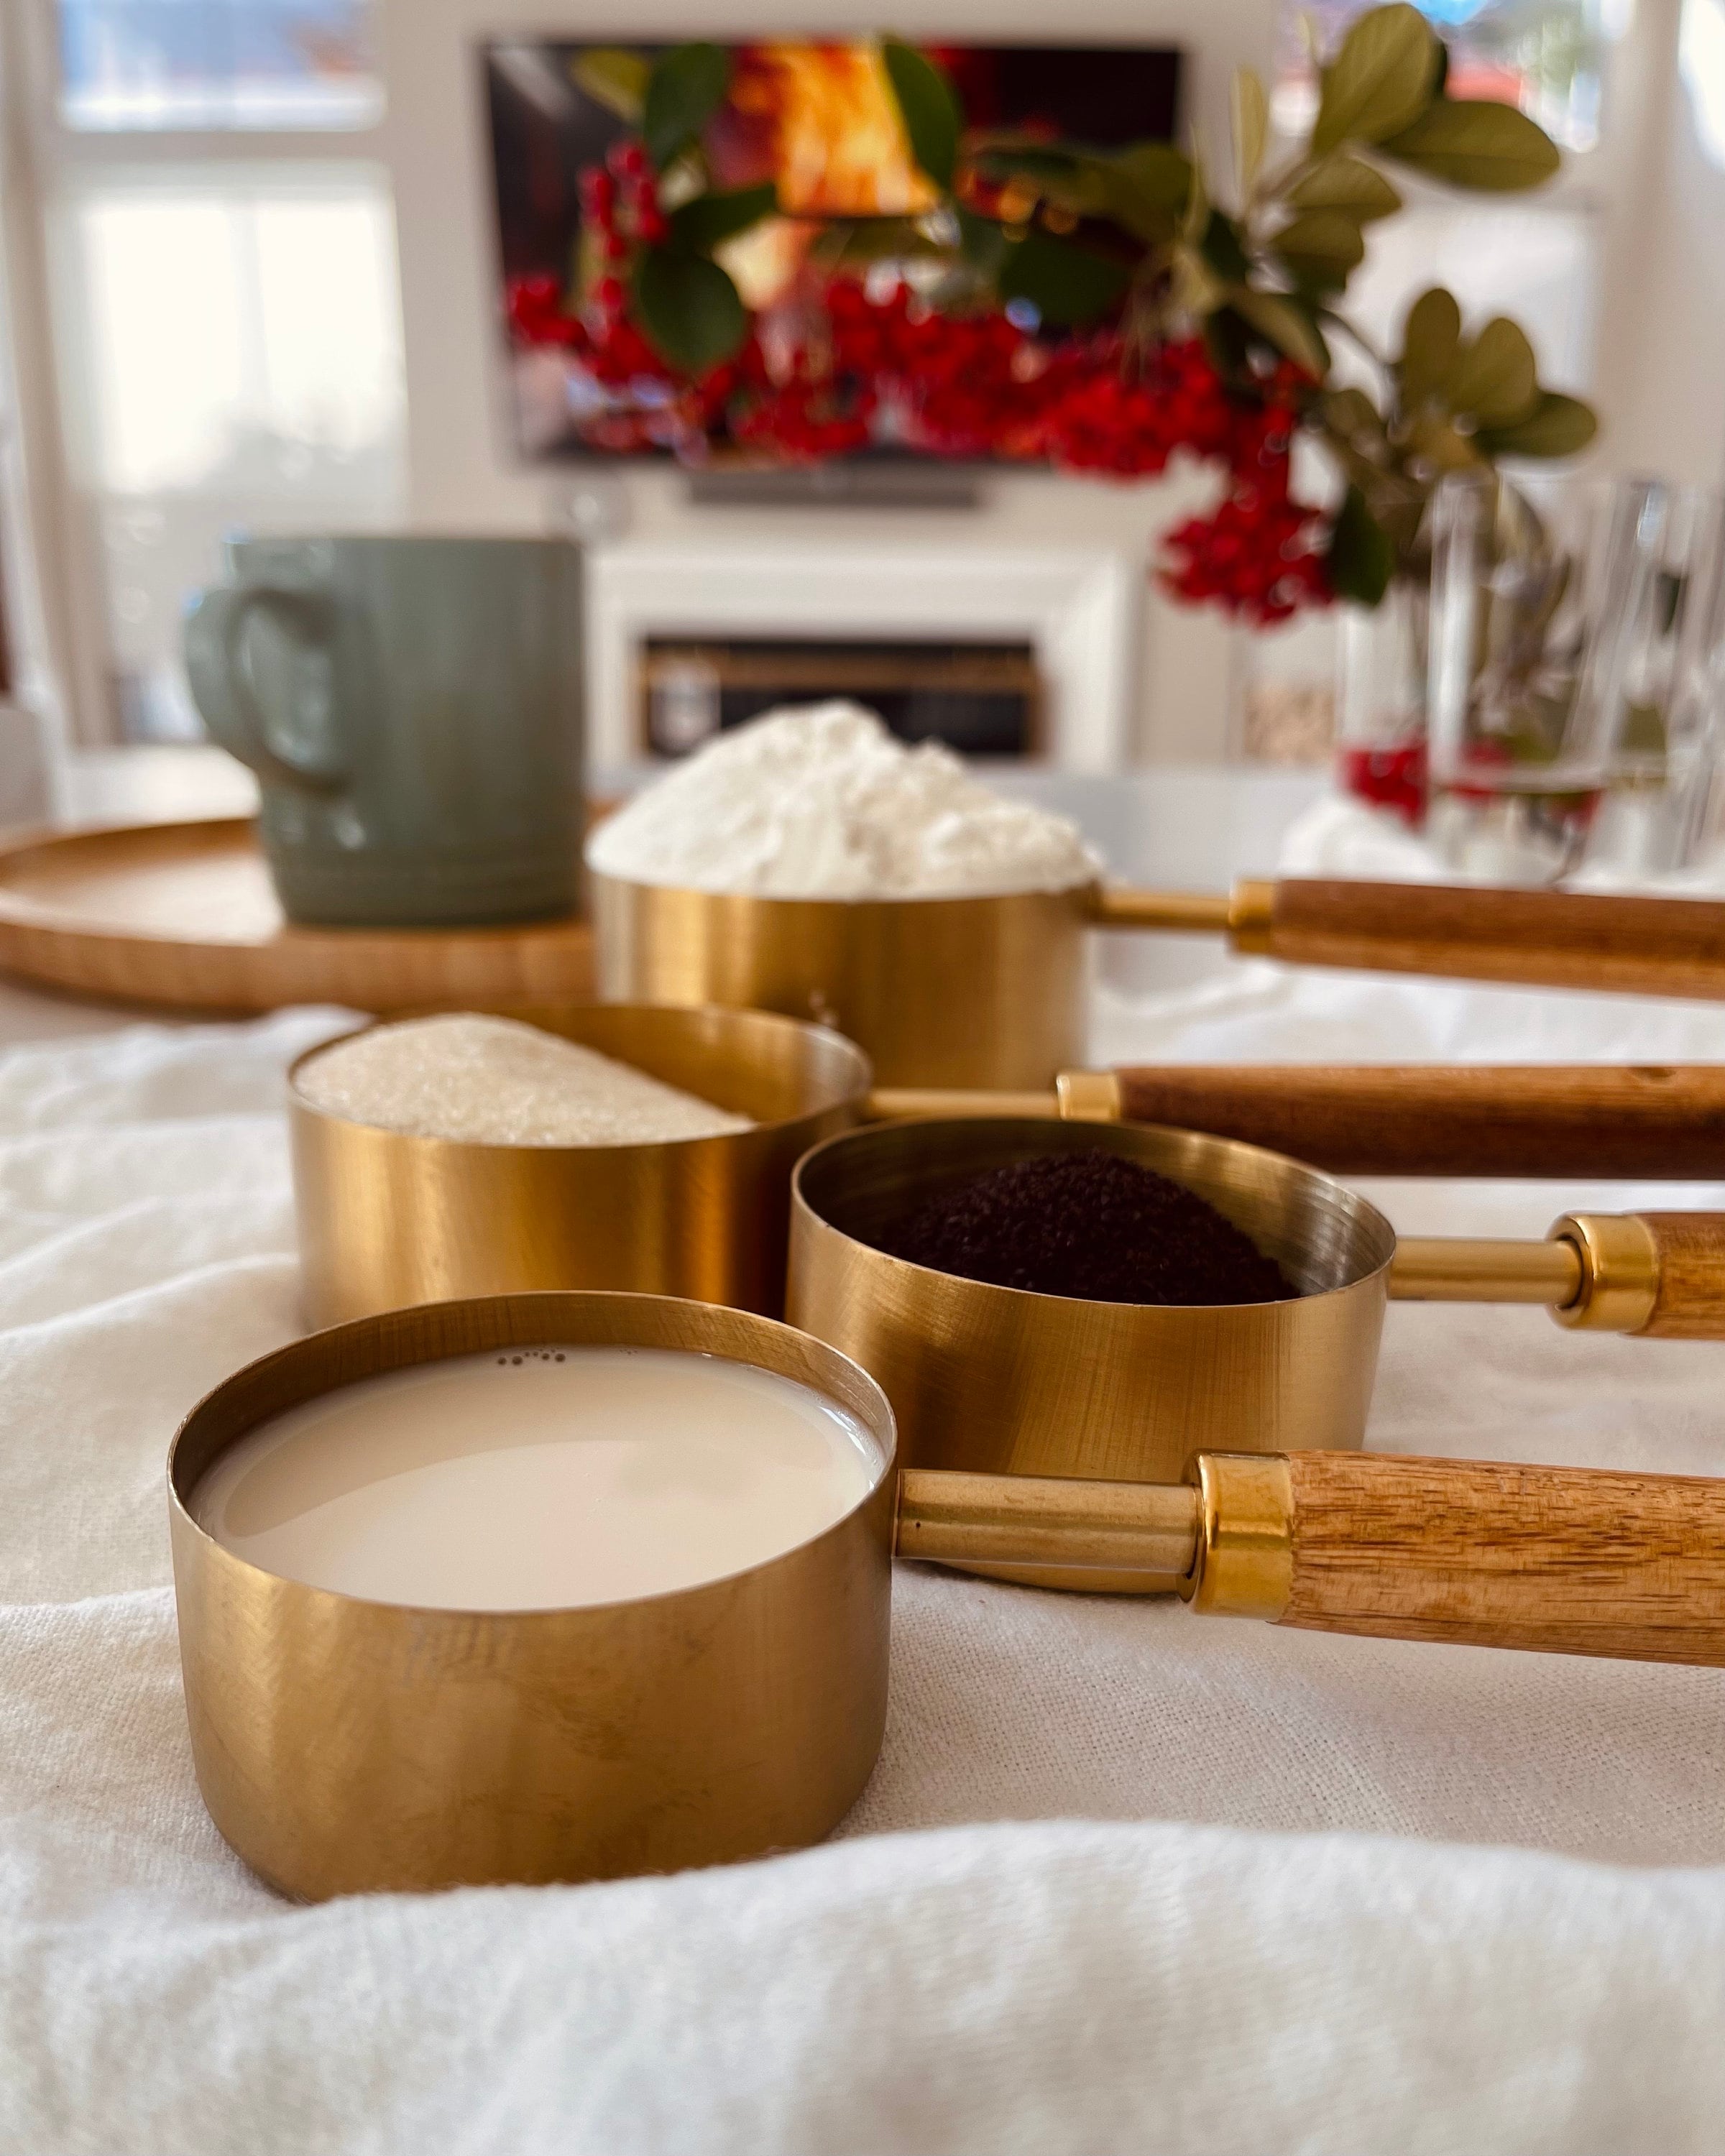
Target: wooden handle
(1565, 1560)
(1436, 1119)
(1689, 1301)
(1661, 946)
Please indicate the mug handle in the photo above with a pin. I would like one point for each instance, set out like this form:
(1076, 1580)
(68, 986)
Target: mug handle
(215, 622)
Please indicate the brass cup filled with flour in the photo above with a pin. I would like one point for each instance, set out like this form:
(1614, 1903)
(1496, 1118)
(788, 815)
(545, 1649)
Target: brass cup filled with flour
(604, 1145)
(809, 864)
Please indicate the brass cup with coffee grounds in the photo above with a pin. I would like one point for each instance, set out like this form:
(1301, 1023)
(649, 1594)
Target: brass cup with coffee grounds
(993, 1380)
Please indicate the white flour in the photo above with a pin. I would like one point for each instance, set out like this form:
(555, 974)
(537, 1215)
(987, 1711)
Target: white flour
(493, 1082)
(823, 802)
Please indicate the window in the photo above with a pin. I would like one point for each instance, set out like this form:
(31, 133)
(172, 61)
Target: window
(216, 63)
(226, 339)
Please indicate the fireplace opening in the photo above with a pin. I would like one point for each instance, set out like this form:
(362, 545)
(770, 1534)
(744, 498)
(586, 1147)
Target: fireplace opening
(982, 698)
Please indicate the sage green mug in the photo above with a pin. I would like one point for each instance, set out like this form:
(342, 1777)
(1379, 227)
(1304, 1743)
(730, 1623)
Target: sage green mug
(411, 707)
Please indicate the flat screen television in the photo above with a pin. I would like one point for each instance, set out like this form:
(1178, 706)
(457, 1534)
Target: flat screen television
(817, 120)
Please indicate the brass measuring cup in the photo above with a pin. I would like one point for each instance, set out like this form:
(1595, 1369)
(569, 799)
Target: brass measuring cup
(386, 1219)
(348, 1747)
(991, 991)
(992, 1379)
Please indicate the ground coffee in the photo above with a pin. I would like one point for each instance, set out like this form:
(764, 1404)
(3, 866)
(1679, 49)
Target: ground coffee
(1090, 1224)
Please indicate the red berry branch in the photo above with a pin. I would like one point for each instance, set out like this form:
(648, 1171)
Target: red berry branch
(1093, 311)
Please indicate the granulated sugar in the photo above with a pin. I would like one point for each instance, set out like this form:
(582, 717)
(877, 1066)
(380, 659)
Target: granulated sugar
(493, 1082)
(825, 802)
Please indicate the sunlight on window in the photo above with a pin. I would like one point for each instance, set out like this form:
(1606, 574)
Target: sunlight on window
(237, 344)
(252, 334)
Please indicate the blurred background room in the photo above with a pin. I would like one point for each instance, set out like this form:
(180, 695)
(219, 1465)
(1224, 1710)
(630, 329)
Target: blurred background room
(265, 263)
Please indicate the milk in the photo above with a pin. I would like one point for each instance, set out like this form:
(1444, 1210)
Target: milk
(539, 1478)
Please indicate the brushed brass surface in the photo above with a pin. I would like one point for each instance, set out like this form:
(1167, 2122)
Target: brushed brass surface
(891, 1104)
(348, 1747)
(991, 1379)
(938, 991)
(1617, 1259)
(1089, 1096)
(1246, 1541)
(1181, 913)
(386, 1219)
(1465, 1269)
(1145, 1527)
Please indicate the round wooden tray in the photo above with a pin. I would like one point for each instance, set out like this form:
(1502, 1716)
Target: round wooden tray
(184, 916)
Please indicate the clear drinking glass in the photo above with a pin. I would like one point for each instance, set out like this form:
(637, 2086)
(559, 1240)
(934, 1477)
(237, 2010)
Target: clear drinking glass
(1659, 813)
(1538, 588)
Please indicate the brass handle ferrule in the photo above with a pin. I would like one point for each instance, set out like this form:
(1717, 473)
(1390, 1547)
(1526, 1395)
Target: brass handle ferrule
(1619, 1261)
(1251, 918)
(1244, 1564)
(1089, 1096)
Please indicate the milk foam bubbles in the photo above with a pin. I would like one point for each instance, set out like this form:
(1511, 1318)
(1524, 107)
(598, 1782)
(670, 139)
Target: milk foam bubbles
(548, 1477)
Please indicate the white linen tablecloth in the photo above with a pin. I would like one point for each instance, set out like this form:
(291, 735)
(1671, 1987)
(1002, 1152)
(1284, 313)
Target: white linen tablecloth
(1123, 1880)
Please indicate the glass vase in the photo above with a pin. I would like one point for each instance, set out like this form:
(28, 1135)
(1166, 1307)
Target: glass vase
(1537, 591)
(1380, 699)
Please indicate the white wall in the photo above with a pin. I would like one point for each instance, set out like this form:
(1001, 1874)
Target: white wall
(463, 472)
(1661, 376)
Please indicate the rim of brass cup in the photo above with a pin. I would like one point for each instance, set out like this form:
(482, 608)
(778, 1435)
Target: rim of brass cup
(987, 991)
(346, 1747)
(386, 1219)
(999, 1380)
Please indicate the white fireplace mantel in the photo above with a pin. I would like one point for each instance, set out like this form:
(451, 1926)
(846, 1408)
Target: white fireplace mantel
(1077, 607)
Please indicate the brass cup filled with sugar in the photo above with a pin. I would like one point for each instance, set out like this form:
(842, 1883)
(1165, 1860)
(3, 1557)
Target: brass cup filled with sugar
(609, 1146)
(533, 1588)
(1276, 1353)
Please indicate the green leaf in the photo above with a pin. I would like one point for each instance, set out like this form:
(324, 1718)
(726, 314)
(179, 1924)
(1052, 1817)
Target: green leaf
(614, 77)
(1069, 178)
(933, 118)
(1283, 323)
(688, 308)
(1222, 248)
(685, 89)
(707, 221)
(1065, 283)
(1497, 379)
(1557, 427)
(1351, 415)
(1347, 183)
(1157, 170)
(855, 241)
(1251, 130)
(1360, 559)
(1380, 81)
(1228, 339)
(1322, 244)
(1431, 344)
(1148, 187)
(980, 241)
(1490, 148)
